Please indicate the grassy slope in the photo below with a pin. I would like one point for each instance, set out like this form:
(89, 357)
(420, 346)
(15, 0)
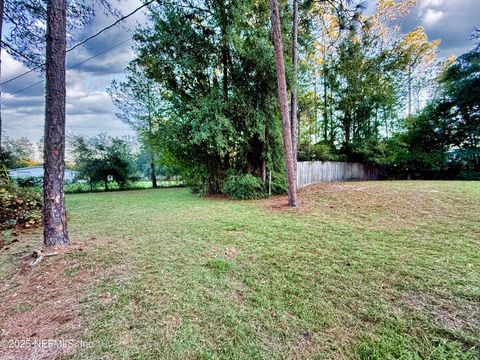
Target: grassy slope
(369, 270)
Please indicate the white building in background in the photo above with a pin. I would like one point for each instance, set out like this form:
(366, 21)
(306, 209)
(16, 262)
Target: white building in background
(37, 171)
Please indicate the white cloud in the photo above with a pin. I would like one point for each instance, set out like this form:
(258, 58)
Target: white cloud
(423, 4)
(432, 16)
(89, 108)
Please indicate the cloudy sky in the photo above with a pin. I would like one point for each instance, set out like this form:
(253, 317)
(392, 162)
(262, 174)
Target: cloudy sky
(89, 108)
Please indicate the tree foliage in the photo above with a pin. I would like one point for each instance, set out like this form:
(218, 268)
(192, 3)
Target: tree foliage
(102, 158)
(214, 62)
(139, 100)
(26, 23)
(17, 153)
(364, 72)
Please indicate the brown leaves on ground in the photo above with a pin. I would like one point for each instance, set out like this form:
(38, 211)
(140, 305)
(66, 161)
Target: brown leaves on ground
(378, 205)
(42, 303)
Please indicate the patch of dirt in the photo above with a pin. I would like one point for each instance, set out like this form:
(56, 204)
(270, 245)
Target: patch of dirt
(378, 206)
(231, 253)
(455, 315)
(40, 306)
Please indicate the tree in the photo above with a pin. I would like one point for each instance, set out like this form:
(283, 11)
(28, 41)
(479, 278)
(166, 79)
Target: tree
(17, 153)
(283, 102)
(54, 211)
(293, 107)
(214, 64)
(420, 56)
(102, 158)
(140, 103)
(443, 140)
(26, 22)
(27, 19)
(461, 94)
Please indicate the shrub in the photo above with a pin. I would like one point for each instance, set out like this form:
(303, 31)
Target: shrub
(279, 183)
(243, 187)
(20, 206)
(469, 175)
(30, 181)
(196, 182)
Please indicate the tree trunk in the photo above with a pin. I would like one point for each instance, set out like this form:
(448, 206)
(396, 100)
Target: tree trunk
(1, 28)
(153, 175)
(264, 171)
(325, 109)
(293, 109)
(224, 49)
(54, 212)
(283, 101)
(409, 90)
(106, 183)
(315, 116)
(332, 125)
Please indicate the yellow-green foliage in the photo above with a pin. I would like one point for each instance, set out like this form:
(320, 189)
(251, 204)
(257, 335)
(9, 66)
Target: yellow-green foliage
(19, 206)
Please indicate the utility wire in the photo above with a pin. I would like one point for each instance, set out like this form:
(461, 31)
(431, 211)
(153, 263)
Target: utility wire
(74, 65)
(79, 44)
(19, 53)
(111, 25)
(21, 75)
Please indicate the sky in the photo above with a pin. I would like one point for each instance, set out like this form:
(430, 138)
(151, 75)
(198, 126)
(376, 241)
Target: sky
(89, 108)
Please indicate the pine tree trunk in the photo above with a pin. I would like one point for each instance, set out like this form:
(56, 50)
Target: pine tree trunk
(54, 212)
(293, 109)
(325, 110)
(283, 101)
(409, 90)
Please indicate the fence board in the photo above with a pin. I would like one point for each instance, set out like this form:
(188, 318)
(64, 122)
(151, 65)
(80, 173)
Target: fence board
(313, 172)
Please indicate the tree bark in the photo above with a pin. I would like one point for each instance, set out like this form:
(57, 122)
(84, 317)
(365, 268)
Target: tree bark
(1, 28)
(153, 175)
(325, 109)
(54, 211)
(224, 50)
(293, 109)
(264, 171)
(283, 102)
(409, 90)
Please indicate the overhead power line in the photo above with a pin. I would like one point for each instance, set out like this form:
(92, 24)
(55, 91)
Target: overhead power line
(79, 44)
(111, 25)
(74, 65)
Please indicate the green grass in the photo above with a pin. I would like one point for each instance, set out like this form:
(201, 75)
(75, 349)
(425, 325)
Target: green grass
(377, 270)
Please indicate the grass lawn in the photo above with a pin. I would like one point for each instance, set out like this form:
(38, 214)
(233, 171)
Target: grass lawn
(369, 270)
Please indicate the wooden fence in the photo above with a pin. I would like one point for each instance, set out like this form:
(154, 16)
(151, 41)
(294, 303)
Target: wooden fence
(313, 172)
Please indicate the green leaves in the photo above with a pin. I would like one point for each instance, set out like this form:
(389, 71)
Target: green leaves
(214, 64)
(20, 207)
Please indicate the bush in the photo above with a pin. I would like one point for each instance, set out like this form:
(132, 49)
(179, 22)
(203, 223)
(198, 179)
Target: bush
(196, 182)
(468, 175)
(243, 187)
(30, 181)
(279, 183)
(20, 206)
